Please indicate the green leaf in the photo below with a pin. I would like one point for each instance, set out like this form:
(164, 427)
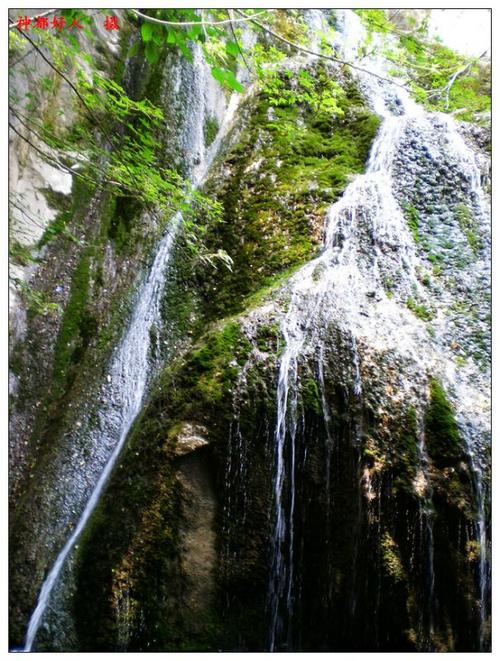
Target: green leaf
(74, 42)
(133, 50)
(232, 48)
(227, 79)
(158, 34)
(219, 74)
(146, 32)
(233, 83)
(152, 53)
(194, 32)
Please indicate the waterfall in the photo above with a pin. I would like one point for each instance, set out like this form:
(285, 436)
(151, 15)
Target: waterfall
(129, 370)
(367, 234)
(131, 367)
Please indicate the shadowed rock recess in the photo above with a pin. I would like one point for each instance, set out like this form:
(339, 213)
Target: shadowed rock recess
(301, 442)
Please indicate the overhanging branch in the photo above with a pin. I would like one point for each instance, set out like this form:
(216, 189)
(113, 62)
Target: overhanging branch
(321, 55)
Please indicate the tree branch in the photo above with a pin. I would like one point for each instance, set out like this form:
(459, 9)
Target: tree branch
(57, 163)
(322, 55)
(88, 110)
(230, 14)
(160, 21)
(64, 77)
(447, 88)
(28, 124)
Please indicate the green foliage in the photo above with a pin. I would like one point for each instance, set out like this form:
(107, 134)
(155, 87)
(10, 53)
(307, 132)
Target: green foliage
(470, 92)
(375, 20)
(441, 431)
(219, 48)
(210, 130)
(135, 162)
(17, 44)
(36, 302)
(20, 254)
(76, 324)
(430, 67)
(117, 140)
(413, 220)
(221, 44)
(469, 227)
(227, 79)
(420, 310)
(321, 94)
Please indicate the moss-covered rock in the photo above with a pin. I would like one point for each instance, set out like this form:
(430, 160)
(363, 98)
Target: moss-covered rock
(284, 166)
(442, 436)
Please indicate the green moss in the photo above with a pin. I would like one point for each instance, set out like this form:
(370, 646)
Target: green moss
(391, 558)
(468, 225)
(126, 553)
(310, 396)
(77, 325)
(267, 335)
(389, 285)
(210, 130)
(441, 431)
(71, 210)
(134, 553)
(36, 301)
(289, 164)
(202, 379)
(20, 254)
(269, 287)
(405, 452)
(56, 200)
(420, 310)
(217, 362)
(111, 327)
(413, 220)
(119, 216)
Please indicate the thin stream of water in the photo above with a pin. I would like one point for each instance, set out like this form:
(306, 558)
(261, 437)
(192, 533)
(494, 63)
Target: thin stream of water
(130, 370)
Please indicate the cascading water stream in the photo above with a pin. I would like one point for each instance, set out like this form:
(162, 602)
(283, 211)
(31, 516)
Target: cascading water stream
(344, 280)
(295, 329)
(130, 370)
(484, 566)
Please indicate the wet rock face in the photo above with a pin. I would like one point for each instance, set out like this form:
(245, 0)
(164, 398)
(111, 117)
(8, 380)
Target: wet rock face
(361, 377)
(442, 187)
(312, 474)
(191, 438)
(372, 517)
(69, 404)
